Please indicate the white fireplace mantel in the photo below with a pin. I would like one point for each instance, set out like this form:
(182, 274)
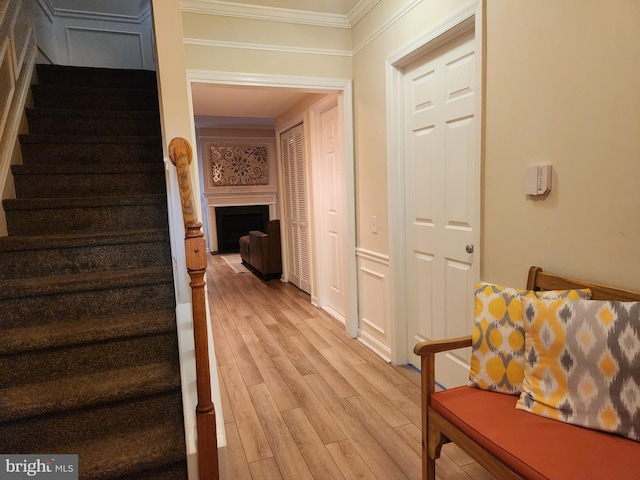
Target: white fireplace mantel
(233, 197)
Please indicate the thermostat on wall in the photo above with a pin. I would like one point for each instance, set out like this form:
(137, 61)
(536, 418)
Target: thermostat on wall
(537, 180)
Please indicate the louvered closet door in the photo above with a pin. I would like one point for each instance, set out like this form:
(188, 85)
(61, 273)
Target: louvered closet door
(296, 211)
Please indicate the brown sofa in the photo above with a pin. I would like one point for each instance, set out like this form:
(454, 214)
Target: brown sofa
(260, 251)
(514, 444)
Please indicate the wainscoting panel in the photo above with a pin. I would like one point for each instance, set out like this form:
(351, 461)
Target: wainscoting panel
(116, 37)
(117, 49)
(374, 322)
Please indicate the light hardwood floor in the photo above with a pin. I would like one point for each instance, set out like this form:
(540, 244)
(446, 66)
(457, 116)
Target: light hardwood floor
(301, 400)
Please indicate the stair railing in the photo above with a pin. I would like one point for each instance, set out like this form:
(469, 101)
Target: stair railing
(181, 155)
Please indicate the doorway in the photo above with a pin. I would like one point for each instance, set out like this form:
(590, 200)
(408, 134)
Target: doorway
(435, 189)
(327, 144)
(343, 88)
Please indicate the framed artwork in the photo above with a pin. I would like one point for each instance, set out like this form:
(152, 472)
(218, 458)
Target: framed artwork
(239, 165)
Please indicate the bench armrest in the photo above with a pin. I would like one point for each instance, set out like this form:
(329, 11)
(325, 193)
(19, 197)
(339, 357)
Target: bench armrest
(436, 346)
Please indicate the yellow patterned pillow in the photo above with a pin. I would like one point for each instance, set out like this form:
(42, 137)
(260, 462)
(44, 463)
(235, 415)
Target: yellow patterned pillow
(497, 353)
(582, 363)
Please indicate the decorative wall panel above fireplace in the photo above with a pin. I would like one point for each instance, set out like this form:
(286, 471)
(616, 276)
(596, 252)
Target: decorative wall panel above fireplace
(239, 165)
(238, 169)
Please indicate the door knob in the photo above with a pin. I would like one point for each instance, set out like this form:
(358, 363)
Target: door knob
(469, 248)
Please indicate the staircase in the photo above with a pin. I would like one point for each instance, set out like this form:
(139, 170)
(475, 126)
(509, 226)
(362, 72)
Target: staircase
(88, 342)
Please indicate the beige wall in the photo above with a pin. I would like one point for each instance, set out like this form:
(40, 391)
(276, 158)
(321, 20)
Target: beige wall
(372, 47)
(226, 44)
(562, 88)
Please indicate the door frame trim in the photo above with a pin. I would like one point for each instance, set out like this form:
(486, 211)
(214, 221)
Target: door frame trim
(322, 84)
(468, 19)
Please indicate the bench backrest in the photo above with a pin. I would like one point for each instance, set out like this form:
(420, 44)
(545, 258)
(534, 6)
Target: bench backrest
(539, 280)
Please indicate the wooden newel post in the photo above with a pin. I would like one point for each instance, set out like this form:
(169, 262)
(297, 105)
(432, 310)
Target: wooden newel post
(196, 260)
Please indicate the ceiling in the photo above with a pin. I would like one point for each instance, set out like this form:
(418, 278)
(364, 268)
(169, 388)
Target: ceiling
(212, 100)
(240, 101)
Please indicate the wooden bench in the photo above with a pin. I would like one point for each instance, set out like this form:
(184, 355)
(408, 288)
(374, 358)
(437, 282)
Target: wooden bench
(514, 444)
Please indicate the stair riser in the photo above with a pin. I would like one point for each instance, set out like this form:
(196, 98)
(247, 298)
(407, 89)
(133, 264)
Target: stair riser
(87, 153)
(93, 126)
(101, 185)
(30, 311)
(165, 472)
(97, 77)
(121, 100)
(54, 364)
(47, 433)
(85, 220)
(43, 262)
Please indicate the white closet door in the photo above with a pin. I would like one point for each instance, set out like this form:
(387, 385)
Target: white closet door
(296, 210)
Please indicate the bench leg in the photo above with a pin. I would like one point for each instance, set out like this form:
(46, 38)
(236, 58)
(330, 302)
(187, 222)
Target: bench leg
(435, 440)
(430, 469)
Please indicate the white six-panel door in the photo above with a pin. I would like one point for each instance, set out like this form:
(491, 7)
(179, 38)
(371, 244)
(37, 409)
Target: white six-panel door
(334, 215)
(441, 200)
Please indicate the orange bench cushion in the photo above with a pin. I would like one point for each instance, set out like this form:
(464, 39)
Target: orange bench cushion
(533, 446)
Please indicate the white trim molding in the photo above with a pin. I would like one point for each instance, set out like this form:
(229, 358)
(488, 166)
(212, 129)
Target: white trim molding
(386, 25)
(261, 46)
(89, 15)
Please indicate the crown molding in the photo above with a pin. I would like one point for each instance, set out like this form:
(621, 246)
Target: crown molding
(262, 46)
(360, 10)
(82, 15)
(380, 30)
(266, 80)
(255, 12)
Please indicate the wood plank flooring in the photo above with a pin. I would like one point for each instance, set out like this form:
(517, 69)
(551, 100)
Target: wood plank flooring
(301, 400)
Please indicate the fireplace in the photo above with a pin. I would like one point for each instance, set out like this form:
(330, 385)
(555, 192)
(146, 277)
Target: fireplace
(234, 222)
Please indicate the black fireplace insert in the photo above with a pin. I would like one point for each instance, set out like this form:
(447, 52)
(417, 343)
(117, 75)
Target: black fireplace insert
(234, 222)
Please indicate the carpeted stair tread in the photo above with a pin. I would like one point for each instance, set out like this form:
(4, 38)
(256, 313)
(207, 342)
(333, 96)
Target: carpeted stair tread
(45, 139)
(92, 169)
(166, 471)
(90, 114)
(57, 181)
(88, 346)
(93, 122)
(31, 242)
(64, 333)
(96, 76)
(90, 98)
(119, 456)
(87, 390)
(51, 285)
(95, 125)
(81, 202)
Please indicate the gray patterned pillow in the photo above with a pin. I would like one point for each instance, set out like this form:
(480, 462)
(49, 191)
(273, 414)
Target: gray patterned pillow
(582, 363)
